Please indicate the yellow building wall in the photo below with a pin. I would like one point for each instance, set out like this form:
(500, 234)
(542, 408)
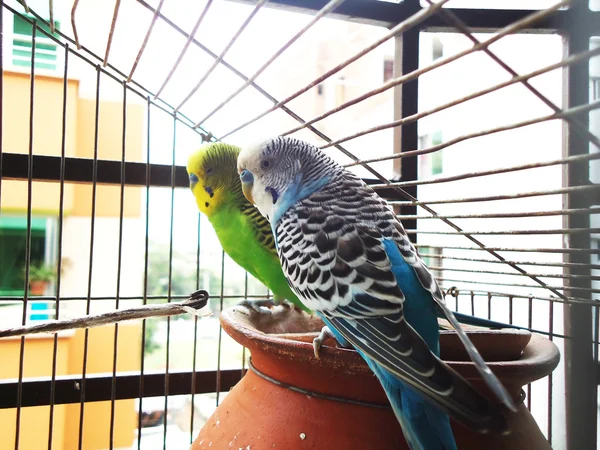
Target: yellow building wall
(45, 197)
(47, 140)
(108, 201)
(38, 363)
(79, 142)
(110, 130)
(110, 147)
(47, 114)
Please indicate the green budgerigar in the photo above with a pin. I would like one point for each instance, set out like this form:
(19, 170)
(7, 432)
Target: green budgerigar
(243, 232)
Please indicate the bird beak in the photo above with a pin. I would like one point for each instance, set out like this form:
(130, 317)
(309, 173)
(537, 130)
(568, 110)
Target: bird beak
(247, 180)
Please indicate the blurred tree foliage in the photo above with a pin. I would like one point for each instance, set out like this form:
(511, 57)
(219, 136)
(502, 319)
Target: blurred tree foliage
(186, 278)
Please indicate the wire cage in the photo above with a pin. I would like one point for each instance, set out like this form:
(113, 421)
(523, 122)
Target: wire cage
(478, 120)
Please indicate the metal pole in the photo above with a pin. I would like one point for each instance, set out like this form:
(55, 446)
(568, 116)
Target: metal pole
(580, 367)
(406, 103)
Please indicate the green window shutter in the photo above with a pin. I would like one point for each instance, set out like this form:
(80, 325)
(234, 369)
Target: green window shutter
(20, 223)
(45, 49)
(424, 252)
(13, 240)
(436, 158)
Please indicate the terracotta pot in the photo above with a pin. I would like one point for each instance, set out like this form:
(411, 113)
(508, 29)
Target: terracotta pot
(291, 400)
(38, 287)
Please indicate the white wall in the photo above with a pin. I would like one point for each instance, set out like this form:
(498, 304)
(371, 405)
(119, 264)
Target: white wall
(76, 247)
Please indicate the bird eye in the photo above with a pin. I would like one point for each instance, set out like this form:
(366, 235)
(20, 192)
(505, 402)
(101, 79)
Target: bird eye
(208, 171)
(265, 163)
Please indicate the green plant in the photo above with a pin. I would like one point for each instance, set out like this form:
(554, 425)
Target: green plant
(41, 272)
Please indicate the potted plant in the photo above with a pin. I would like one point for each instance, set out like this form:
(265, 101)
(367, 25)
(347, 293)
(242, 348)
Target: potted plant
(40, 276)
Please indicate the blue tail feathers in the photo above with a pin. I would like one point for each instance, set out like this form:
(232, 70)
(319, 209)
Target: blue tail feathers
(425, 427)
(480, 322)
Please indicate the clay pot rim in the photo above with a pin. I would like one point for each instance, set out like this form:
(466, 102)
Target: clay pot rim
(539, 357)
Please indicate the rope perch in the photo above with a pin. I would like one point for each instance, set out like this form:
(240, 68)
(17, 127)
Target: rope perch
(192, 305)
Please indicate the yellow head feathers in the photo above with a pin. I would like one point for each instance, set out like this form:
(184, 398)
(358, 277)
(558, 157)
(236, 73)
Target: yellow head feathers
(214, 180)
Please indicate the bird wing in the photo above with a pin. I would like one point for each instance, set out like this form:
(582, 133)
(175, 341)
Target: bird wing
(261, 227)
(427, 281)
(338, 248)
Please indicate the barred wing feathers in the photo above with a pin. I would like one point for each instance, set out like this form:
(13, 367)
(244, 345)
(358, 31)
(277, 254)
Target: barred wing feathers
(334, 247)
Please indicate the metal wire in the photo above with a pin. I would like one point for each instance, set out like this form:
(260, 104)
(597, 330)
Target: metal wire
(561, 115)
(512, 28)
(110, 35)
(195, 346)
(402, 27)
(217, 61)
(455, 293)
(322, 13)
(146, 39)
(91, 259)
(515, 215)
(521, 263)
(24, 3)
(74, 24)
(529, 324)
(220, 338)
(28, 235)
(185, 47)
(515, 295)
(51, 14)
(1, 96)
(492, 272)
(170, 282)
(464, 176)
(112, 72)
(527, 232)
(579, 128)
(522, 249)
(516, 79)
(550, 377)
(238, 73)
(489, 198)
(529, 286)
(243, 369)
(119, 267)
(146, 262)
(564, 282)
(61, 212)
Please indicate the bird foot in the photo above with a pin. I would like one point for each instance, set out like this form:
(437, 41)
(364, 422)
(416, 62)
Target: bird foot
(258, 306)
(287, 304)
(322, 337)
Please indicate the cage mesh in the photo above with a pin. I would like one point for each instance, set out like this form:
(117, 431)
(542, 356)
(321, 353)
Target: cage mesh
(480, 126)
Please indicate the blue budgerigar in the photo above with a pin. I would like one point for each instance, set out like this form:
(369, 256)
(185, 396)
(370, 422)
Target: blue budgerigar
(347, 257)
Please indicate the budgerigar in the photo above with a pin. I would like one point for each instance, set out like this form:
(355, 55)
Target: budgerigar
(349, 259)
(243, 232)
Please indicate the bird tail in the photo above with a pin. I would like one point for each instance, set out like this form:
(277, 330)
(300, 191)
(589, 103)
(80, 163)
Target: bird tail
(480, 322)
(425, 427)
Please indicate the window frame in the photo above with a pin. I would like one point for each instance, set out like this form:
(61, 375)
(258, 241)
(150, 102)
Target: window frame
(9, 36)
(39, 227)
